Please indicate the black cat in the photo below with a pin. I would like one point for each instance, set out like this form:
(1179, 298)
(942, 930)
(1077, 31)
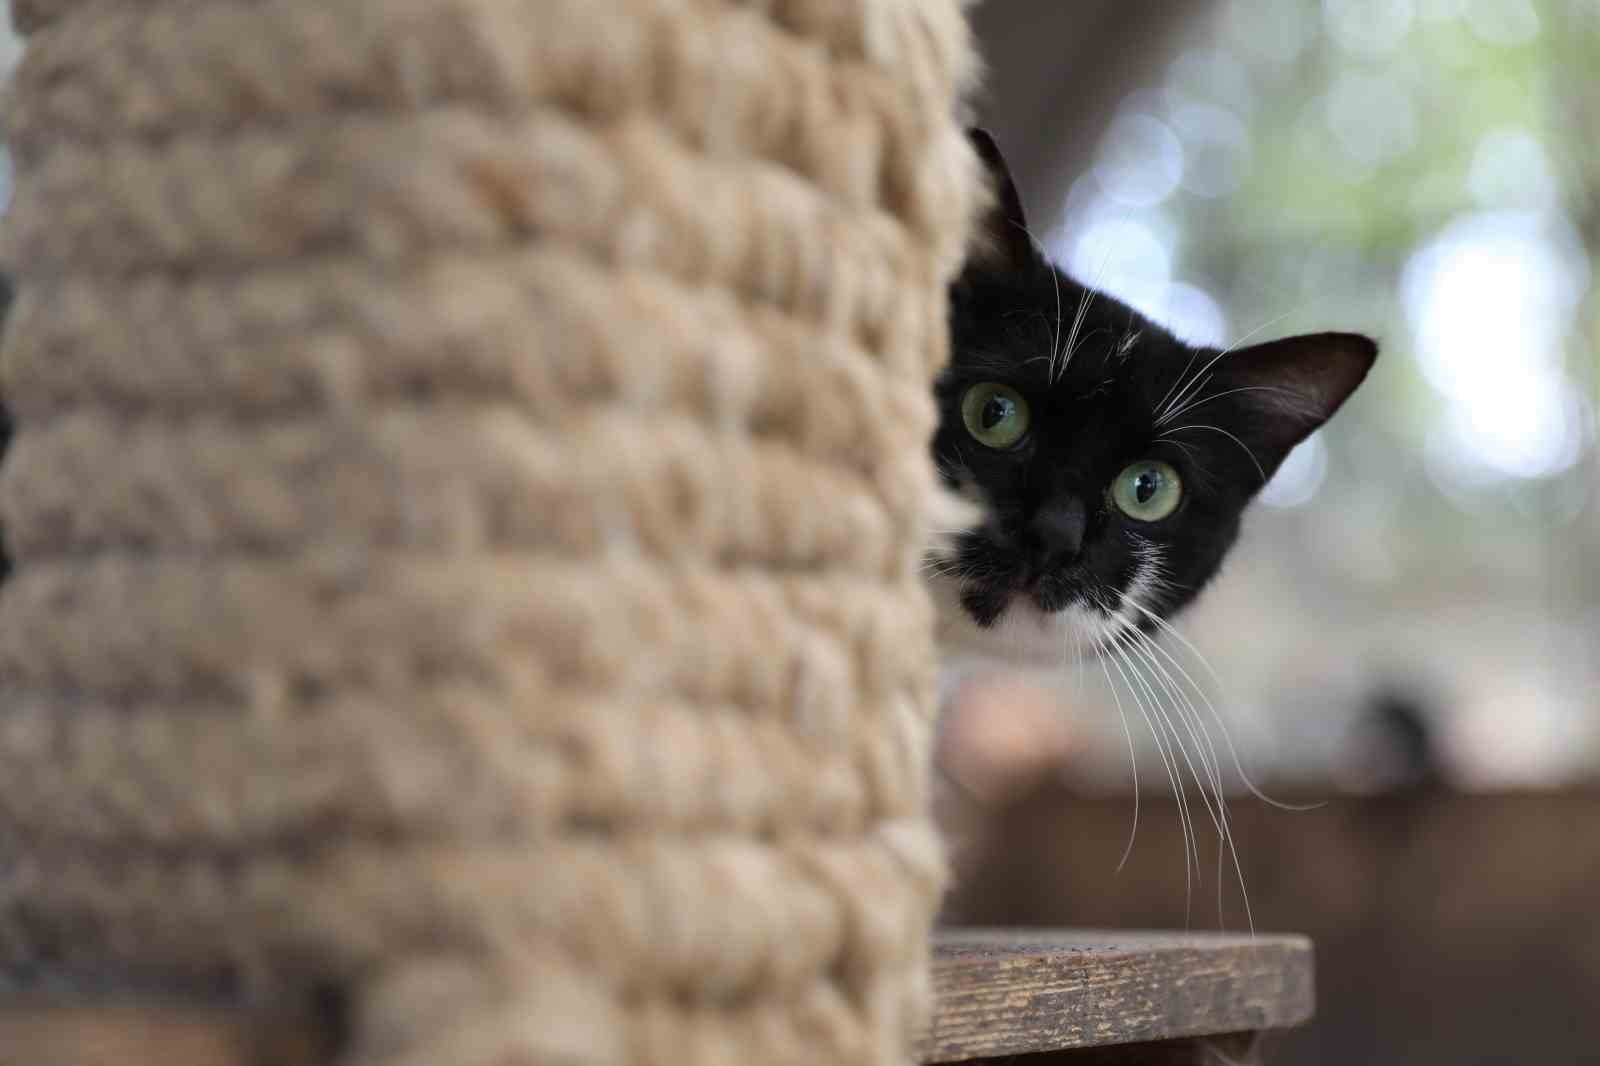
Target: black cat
(1111, 461)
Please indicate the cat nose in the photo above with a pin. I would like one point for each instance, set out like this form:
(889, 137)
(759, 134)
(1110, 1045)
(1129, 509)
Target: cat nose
(1057, 529)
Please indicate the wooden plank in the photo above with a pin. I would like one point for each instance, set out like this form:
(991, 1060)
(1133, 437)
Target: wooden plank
(1008, 992)
(1228, 1048)
(997, 992)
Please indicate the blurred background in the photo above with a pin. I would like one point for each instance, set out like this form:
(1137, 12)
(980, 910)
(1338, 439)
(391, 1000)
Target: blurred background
(1409, 631)
(1426, 171)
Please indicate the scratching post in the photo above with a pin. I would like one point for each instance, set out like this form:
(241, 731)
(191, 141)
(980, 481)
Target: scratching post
(467, 502)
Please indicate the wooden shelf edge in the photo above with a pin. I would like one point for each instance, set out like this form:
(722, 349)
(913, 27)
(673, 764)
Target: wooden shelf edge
(996, 993)
(1017, 991)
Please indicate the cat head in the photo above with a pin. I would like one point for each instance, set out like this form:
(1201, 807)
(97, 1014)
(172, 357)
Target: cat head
(1110, 460)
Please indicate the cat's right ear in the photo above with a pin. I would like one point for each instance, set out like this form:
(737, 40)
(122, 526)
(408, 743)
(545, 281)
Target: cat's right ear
(1002, 233)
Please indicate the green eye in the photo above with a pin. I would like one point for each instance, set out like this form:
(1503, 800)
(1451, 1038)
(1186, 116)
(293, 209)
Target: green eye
(995, 415)
(1147, 490)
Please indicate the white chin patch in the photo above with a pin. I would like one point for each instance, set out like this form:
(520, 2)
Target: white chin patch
(1022, 636)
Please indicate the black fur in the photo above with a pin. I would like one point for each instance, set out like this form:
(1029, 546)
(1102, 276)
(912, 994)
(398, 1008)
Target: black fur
(1094, 411)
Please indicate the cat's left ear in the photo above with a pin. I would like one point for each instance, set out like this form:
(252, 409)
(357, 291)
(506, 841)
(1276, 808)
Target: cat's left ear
(1280, 392)
(1002, 229)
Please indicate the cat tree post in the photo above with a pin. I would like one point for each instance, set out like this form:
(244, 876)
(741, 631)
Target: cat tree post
(467, 502)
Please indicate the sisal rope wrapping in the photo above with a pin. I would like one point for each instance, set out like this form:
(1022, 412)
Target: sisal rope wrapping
(468, 499)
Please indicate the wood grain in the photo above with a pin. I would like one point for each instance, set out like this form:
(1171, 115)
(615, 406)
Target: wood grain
(1228, 1049)
(1007, 992)
(997, 993)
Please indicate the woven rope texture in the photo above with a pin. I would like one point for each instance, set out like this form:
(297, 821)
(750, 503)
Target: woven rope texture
(468, 495)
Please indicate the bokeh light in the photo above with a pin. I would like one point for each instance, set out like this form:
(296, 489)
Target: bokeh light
(1512, 170)
(1141, 161)
(1490, 300)
(1296, 482)
(1216, 146)
(1367, 27)
(1372, 117)
(1503, 22)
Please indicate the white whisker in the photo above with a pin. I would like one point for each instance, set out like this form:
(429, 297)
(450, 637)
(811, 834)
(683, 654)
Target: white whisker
(1194, 388)
(1084, 303)
(1161, 404)
(1170, 765)
(1077, 323)
(1151, 579)
(1055, 337)
(1216, 812)
(1218, 429)
(1233, 753)
(1192, 404)
(1201, 738)
(1125, 345)
(1133, 763)
(1229, 350)
(1077, 645)
(1181, 703)
(1188, 451)
(1175, 748)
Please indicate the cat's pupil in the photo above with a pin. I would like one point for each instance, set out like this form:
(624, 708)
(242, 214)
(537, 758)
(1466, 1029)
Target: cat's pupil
(995, 411)
(1146, 486)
